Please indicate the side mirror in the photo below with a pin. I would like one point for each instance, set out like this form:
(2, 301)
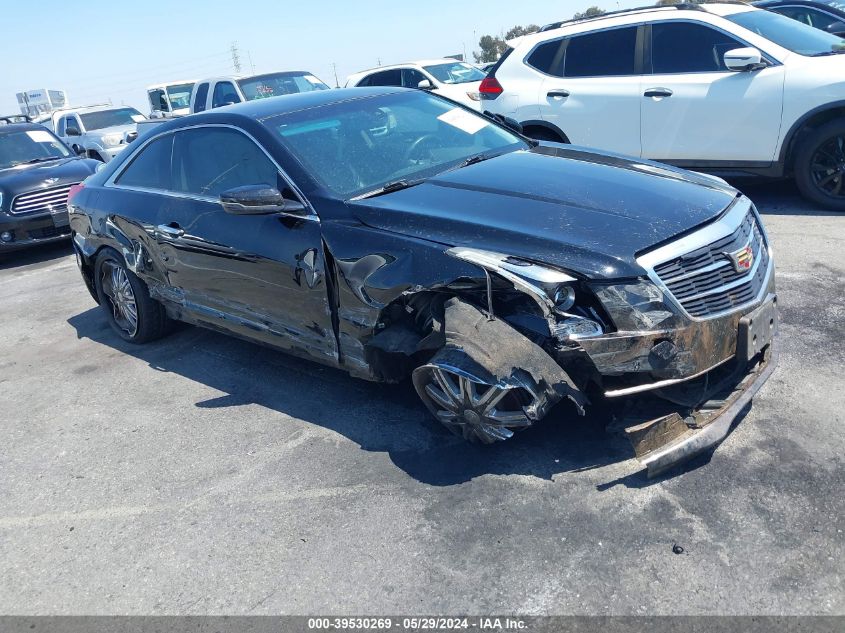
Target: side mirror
(425, 84)
(257, 200)
(836, 28)
(72, 131)
(744, 59)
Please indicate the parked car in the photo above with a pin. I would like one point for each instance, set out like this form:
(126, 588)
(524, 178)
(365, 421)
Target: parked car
(820, 14)
(170, 99)
(97, 132)
(724, 88)
(455, 80)
(37, 171)
(228, 90)
(393, 233)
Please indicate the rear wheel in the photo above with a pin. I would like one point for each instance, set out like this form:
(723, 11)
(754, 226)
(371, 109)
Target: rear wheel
(470, 406)
(820, 166)
(125, 299)
(543, 134)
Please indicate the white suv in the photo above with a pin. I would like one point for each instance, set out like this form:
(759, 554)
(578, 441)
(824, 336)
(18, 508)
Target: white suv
(452, 79)
(723, 88)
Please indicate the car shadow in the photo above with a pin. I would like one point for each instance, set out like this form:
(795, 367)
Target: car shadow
(377, 417)
(35, 255)
(779, 197)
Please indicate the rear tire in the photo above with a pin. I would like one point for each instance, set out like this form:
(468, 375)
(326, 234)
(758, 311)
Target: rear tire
(820, 166)
(126, 301)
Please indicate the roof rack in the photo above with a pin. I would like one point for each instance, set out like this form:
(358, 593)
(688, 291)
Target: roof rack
(15, 118)
(671, 7)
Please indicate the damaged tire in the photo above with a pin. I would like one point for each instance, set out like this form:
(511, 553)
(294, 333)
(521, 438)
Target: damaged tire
(469, 406)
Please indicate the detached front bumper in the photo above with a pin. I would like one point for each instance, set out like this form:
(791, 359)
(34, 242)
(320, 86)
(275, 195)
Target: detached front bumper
(31, 230)
(674, 438)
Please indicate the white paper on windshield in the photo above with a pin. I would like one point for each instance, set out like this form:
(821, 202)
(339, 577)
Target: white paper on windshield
(138, 118)
(40, 136)
(463, 120)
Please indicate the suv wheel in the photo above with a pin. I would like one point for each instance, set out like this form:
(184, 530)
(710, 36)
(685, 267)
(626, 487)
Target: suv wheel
(131, 312)
(820, 166)
(542, 134)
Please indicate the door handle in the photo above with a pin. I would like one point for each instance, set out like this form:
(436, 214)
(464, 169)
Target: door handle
(170, 230)
(558, 93)
(658, 92)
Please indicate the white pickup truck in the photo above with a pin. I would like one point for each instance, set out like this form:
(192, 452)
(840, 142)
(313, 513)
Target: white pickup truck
(99, 132)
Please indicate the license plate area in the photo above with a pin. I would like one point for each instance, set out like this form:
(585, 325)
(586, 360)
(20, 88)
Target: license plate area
(60, 217)
(756, 329)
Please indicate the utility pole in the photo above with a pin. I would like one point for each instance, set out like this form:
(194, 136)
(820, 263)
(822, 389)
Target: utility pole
(336, 82)
(236, 59)
(251, 65)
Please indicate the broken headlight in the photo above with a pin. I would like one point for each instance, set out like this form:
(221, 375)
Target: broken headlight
(636, 306)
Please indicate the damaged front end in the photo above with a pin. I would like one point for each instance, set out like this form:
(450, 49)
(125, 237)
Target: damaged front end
(678, 353)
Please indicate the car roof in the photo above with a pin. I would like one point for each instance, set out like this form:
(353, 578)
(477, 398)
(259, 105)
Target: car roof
(260, 109)
(800, 3)
(20, 127)
(631, 16)
(419, 62)
(240, 77)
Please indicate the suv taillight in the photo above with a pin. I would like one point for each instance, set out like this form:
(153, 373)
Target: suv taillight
(490, 88)
(74, 189)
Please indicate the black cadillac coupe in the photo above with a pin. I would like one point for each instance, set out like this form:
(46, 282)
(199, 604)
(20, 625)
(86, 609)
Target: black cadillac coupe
(396, 234)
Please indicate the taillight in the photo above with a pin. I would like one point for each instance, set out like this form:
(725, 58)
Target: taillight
(74, 189)
(490, 88)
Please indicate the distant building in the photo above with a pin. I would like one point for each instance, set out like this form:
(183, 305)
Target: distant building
(41, 101)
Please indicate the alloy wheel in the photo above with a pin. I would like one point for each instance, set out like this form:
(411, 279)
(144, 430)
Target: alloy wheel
(120, 296)
(468, 406)
(827, 167)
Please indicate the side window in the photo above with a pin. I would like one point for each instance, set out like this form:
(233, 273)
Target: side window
(202, 95)
(796, 13)
(71, 122)
(684, 47)
(411, 77)
(208, 161)
(386, 78)
(150, 169)
(820, 19)
(157, 100)
(60, 128)
(548, 57)
(609, 53)
(224, 94)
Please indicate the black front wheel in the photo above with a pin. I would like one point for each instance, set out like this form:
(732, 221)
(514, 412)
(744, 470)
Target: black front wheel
(125, 299)
(820, 166)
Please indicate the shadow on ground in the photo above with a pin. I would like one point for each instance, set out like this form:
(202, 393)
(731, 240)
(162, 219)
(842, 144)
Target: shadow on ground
(35, 255)
(382, 418)
(779, 197)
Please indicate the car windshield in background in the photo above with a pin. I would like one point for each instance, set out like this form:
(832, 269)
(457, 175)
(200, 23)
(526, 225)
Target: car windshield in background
(29, 146)
(788, 33)
(357, 146)
(279, 84)
(180, 96)
(110, 118)
(455, 73)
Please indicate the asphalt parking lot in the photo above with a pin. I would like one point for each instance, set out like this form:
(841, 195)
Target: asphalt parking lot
(202, 474)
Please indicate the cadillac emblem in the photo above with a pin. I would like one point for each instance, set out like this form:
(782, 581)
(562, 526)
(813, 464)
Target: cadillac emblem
(742, 259)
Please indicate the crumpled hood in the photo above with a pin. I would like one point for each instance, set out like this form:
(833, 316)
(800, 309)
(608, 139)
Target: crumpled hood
(25, 178)
(586, 212)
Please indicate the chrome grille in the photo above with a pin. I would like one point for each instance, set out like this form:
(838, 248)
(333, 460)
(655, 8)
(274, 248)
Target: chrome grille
(705, 282)
(52, 200)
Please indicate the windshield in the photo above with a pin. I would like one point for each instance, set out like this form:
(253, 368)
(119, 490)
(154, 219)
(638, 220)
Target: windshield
(360, 145)
(29, 146)
(455, 73)
(788, 33)
(835, 5)
(278, 84)
(110, 118)
(180, 96)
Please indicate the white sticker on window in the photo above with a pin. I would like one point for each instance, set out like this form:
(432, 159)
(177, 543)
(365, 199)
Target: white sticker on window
(463, 120)
(40, 136)
(138, 118)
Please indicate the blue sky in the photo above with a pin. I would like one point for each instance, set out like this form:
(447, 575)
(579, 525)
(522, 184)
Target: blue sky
(102, 50)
